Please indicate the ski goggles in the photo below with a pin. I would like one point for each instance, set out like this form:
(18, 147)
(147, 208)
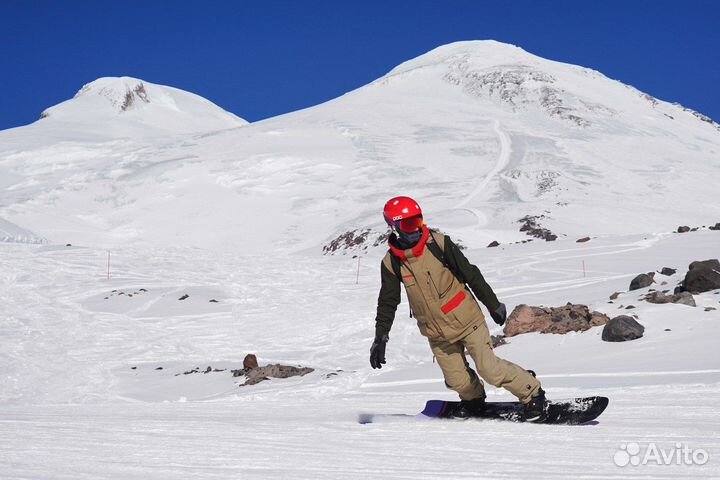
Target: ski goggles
(406, 225)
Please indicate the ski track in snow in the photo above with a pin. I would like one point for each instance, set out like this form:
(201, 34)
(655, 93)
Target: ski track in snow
(73, 406)
(502, 161)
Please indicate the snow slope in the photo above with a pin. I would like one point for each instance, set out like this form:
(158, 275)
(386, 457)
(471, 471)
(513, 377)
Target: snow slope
(83, 396)
(234, 215)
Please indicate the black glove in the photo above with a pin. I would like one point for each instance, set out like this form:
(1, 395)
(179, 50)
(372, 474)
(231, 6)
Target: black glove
(499, 315)
(377, 351)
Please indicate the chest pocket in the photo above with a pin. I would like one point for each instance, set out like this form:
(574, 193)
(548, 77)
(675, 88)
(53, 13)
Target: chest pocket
(442, 281)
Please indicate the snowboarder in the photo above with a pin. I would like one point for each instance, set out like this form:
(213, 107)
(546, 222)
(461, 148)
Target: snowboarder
(438, 281)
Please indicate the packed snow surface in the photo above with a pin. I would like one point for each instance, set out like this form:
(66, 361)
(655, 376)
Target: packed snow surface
(148, 235)
(94, 383)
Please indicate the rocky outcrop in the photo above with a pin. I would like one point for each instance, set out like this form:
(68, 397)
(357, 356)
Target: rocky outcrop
(684, 298)
(259, 374)
(622, 329)
(132, 95)
(531, 227)
(658, 297)
(716, 227)
(582, 240)
(494, 243)
(355, 240)
(683, 229)
(667, 271)
(569, 318)
(643, 280)
(702, 276)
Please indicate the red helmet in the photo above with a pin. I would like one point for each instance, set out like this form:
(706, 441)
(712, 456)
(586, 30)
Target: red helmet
(403, 213)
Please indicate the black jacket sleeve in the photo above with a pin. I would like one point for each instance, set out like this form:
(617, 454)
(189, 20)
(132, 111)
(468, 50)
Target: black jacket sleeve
(470, 275)
(388, 301)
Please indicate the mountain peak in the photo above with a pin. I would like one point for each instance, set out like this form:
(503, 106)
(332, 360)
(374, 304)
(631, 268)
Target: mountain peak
(517, 82)
(482, 52)
(131, 106)
(123, 93)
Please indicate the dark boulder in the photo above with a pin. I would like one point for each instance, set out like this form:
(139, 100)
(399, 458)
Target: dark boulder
(683, 229)
(494, 243)
(716, 227)
(622, 329)
(703, 276)
(643, 280)
(667, 271)
(582, 240)
(712, 263)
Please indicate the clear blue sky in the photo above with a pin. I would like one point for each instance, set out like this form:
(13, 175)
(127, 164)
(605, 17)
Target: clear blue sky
(263, 58)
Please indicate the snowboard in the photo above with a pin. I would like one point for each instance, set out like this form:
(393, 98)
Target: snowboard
(574, 411)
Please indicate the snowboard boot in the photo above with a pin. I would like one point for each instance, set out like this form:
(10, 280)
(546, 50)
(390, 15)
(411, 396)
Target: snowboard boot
(536, 407)
(469, 408)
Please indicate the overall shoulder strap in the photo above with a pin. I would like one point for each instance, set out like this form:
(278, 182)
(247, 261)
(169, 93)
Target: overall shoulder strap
(437, 248)
(395, 264)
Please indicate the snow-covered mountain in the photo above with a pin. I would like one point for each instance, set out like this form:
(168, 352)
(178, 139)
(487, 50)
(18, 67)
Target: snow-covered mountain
(482, 133)
(113, 108)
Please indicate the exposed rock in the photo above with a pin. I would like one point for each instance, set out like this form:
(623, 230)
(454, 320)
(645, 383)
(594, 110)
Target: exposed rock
(131, 95)
(355, 240)
(622, 329)
(498, 340)
(531, 227)
(713, 264)
(684, 298)
(250, 361)
(658, 297)
(615, 295)
(703, 276)
(259, 374)
(683, 229)
(494, 243)
(629, 307)
(716, 227)
(184, 297)
(710, 309)
(582, 240)
(667, 271)
(643, 280)
(569, 318)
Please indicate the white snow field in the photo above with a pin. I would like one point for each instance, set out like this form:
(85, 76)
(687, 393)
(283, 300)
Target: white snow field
(186, 199)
